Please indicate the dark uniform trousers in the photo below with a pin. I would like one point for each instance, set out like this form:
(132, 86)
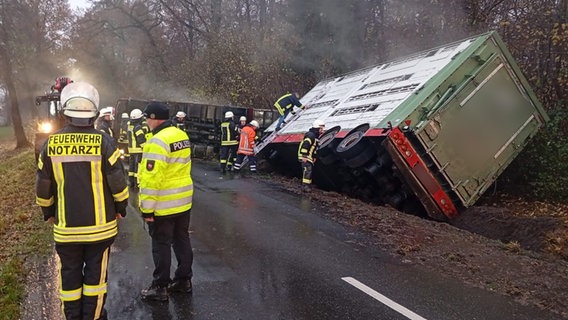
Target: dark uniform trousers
(83, 274)
(307, 168)
(133, 161)
(168, 233)
(227, 156)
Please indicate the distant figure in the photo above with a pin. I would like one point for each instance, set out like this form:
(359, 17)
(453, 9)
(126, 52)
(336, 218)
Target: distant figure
(246, 146)
(242, 123)
(166, 198)
(81, 189)
(136, 141)
(229, 143)
(104, 123)
(307, 152)
(180, 121)
(285, 105)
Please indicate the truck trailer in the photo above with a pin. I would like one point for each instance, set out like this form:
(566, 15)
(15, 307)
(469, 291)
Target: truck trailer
(427, 133)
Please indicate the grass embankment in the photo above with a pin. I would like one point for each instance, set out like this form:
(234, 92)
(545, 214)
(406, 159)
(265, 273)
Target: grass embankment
(23, 233)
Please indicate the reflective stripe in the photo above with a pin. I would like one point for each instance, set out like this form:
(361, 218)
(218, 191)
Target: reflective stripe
(85, 238)
(160, 143)
(84, 230)
(92, 291)
(60, 180)
(39, 163)
(166, 159)
(70, 295)
(115, 156)
(167, 204)
(121, 196)
(45, 202)
(152, 192)
(98, 193)
(61, 159)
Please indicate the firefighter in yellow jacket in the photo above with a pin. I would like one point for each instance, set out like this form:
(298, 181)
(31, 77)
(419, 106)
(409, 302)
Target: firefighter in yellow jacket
(82, 191)
(166, 191)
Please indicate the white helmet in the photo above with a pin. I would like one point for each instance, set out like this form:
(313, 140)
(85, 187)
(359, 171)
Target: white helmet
(180, 114)
(243, 118)
(254, 123)
(136, 114)
(124, 115)
(318, 123)
(80, 100)
(229, 114)
(106, 111)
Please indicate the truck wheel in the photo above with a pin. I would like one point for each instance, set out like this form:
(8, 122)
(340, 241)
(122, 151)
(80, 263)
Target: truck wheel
(355, 149)
(327, 146)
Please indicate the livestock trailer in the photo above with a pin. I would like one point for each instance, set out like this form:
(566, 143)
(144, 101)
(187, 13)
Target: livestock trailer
(429, 132)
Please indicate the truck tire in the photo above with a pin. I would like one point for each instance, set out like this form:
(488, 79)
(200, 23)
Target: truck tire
(355, 149)
(328, 143)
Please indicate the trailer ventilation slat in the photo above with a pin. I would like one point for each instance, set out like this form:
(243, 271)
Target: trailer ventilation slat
(385, 92)
(387, 81)
(356, 109)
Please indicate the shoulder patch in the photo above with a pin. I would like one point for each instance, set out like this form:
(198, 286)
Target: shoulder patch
(150, 165)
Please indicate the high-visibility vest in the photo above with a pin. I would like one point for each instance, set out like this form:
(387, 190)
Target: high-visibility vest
(247, 140)
(166, 187)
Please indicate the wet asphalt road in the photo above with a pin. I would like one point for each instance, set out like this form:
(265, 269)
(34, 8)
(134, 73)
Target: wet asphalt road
(261, 253)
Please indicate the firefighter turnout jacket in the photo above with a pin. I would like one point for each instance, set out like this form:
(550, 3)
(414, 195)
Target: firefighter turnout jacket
(229, 133)
(308, 146)
(105, 126)
(80, 182)
(247, 140)
(137, 135)
(166, 187)
(287, 101)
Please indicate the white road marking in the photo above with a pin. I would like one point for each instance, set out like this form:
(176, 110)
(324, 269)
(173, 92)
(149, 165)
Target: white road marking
(386, 301)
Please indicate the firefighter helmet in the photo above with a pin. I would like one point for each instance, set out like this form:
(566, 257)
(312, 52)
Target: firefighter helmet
(318, 123)
(243, 118)
(180, 114)
(229, 114)
(136, 114)
(80, 100)
(124, 115)
(254, 123)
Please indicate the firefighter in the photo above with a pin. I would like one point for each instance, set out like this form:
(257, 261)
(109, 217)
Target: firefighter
(246, 146)
(229, 143)
(166, 192)
(285, 105)
(105, 121)
(136, 141)
(242, 123)
(82, 191)
(180, 121)
(123, 133)
(307, 152)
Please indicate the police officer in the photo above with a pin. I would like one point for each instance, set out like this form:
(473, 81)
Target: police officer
(136, 140)
(229, 143)
(307, 152)
(81, 190)
(285, 104)
(166, 191)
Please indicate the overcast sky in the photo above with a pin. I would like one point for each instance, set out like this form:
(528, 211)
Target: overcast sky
(78, 4)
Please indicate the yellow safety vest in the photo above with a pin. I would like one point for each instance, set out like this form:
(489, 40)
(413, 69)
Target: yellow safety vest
(166, 187)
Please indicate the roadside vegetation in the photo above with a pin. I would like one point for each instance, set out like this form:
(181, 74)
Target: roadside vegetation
(23, 234)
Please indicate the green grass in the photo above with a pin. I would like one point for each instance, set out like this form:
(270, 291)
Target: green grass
(23, 233)
(6, 132)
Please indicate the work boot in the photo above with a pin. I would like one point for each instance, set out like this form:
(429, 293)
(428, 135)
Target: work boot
(183, 285)
(155, 292)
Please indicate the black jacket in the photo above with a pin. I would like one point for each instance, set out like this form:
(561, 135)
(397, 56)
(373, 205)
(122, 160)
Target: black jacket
(80, 182)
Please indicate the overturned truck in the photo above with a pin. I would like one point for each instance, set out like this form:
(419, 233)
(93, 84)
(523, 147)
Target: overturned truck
(427, 133)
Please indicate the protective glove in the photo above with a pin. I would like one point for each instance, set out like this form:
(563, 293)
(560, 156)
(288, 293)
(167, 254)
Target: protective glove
(120, 207)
